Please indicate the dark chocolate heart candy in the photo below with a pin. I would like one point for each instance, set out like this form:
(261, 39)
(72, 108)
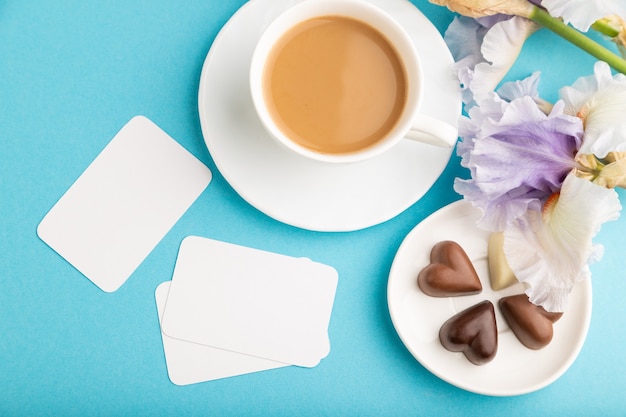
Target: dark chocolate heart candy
(450, 272)
(531, 323)
(473, 331)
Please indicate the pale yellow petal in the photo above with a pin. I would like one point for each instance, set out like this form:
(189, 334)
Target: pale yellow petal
(613, 175)
(610, 172)
(481, 8)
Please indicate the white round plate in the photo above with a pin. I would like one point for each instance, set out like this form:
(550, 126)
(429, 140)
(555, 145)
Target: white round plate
(304, 193)
(418, 317)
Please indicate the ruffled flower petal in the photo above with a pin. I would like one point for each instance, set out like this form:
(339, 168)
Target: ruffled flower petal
(484, 50)
(501, 46)
(464, 36)
(517, 155)
(529, 86)
(600, 101)
(582, 13)
(550, 251)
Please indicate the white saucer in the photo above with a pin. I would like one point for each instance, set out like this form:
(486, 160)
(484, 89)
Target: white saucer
(417, 317)
(295, 190)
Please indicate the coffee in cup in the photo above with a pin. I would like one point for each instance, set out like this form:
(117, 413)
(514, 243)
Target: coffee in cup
(340, 81)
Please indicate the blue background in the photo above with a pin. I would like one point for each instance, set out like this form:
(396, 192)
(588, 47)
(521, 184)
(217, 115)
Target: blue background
(72, 73)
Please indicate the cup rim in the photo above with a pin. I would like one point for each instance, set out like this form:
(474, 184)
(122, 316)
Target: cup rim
(384, 24)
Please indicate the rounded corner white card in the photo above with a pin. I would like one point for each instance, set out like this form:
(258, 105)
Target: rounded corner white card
(124, 203)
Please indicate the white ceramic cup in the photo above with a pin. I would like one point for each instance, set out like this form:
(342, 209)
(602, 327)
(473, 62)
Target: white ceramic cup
(412, 124)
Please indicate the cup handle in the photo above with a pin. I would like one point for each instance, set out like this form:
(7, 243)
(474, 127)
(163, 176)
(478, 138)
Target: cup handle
(432, 131)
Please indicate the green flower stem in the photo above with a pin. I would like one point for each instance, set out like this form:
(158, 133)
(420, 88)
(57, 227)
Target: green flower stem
(543, 18)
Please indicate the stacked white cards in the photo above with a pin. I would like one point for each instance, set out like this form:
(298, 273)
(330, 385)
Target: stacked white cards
(231, 310)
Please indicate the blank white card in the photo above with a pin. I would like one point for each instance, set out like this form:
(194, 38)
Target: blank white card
(250, 301)
(191, 363)
(124, 203)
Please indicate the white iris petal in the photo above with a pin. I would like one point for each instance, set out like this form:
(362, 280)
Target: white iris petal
(551, 252)
(500, 48)
(583, 13)
(600, 100)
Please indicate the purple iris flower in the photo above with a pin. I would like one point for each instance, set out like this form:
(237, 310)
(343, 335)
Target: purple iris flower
(517, 155)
